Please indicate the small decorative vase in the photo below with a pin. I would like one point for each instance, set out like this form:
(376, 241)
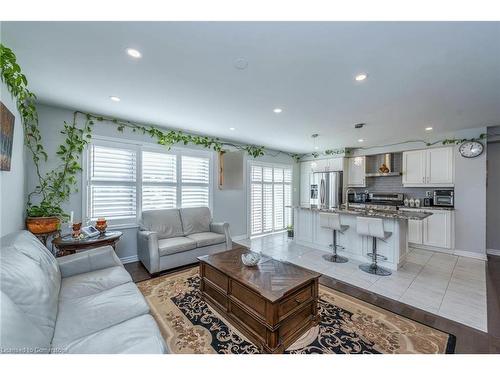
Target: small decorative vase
(101, 225)
(405, 202)
(76, 230)
(417, 203)
(412, 202)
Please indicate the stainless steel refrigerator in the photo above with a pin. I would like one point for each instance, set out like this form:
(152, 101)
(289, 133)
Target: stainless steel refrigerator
(326, 189)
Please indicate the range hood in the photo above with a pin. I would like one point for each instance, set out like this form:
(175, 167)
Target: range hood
(381, 165)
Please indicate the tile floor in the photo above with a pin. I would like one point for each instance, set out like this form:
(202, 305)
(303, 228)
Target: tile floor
(447, 285)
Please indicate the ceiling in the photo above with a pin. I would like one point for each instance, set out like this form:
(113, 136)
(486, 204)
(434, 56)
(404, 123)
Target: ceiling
(440, 74)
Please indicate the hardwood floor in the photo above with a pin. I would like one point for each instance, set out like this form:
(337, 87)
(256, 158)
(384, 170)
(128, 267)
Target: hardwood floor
(469, 340)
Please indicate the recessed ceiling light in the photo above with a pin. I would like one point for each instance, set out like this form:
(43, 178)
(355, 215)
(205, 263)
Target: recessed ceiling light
(316, 148)
(361, 77)
(428, 129)
(277, 110)
(232, 128)
(133, 53)
(361, 140)
(240, 63)
(115, 98)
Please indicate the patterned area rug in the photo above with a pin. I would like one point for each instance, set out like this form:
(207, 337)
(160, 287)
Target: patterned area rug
(347, 326)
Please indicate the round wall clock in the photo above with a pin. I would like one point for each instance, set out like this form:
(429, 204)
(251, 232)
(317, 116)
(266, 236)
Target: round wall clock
(471, 149)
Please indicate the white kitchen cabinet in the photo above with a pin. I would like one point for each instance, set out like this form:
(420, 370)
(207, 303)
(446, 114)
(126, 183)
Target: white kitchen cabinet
(415, 234)
(432, 167)
(434, 231)
(440, 166)
(414, 167)
(437, 229)
(327, 165)
(356, 171)
(305, 183)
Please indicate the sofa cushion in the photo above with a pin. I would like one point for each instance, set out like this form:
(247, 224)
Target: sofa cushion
(19, 334)
(30, 277)
(195, 220)
(86, 284)
(167, 223)
(138, 335)
(207, 238)
(174, 245)
(83, 316)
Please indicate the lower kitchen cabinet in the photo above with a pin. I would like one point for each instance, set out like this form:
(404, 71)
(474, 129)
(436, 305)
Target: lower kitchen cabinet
(435, 231)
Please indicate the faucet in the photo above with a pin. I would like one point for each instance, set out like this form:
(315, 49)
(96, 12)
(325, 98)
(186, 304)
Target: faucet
(346, 199)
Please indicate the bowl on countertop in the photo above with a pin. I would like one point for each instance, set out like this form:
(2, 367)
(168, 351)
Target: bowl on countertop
(250, 259)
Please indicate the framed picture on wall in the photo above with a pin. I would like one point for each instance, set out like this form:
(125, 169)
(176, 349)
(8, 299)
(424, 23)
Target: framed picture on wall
(6, 137)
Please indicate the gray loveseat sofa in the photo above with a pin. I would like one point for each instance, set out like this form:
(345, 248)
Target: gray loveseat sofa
(80, 303)
(175, 237)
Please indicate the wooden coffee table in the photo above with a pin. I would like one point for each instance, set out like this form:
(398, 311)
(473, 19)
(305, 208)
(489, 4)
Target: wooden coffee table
(273, 303)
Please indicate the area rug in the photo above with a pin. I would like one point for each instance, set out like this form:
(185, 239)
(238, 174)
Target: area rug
(347, 325)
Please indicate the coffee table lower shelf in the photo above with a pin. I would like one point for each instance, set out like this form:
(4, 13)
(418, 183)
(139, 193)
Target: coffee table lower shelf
(271, 326)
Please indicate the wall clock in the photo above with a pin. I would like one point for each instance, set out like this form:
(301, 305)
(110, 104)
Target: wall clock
(471, 149)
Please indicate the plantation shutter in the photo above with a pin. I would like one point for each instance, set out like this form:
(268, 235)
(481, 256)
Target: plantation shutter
(112, 190)
(195, 179)
(270, 193)
(159, 180)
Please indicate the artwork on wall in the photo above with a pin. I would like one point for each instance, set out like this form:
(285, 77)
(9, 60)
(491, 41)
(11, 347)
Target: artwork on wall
(6, 137)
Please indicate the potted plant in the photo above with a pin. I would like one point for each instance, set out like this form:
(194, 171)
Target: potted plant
(55, 186)
(44, 218)
(289, 230)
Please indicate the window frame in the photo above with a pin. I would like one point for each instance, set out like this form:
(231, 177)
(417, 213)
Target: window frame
(273, 183)
(139, 147)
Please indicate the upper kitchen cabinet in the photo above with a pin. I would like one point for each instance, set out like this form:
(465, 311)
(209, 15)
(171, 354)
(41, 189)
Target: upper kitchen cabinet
(356, 169)
(432, 167)
(327, 165)
(305, 183)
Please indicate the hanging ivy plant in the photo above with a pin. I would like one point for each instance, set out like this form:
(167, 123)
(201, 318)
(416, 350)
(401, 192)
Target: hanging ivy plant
(168, 138)
(55, 186)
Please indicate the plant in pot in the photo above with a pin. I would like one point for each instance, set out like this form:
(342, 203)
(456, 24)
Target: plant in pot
(55, 186)
(289, 230)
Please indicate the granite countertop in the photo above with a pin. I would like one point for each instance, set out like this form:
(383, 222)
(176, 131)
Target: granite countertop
(427, 208)
(399, 215)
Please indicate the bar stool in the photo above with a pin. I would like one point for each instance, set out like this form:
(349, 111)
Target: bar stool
(373, 227)
(332, 221)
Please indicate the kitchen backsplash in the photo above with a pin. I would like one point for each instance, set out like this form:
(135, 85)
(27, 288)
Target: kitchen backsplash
(393, 184)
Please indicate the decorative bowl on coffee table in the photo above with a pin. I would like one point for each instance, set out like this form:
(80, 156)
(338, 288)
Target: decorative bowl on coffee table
(250, 259)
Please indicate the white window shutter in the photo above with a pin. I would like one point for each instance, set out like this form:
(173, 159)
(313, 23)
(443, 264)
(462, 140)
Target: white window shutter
(195, 179)
(112, 189)
(159, 177)
(270, 193)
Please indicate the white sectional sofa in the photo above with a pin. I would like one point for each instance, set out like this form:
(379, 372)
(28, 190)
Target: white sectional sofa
(81, 303)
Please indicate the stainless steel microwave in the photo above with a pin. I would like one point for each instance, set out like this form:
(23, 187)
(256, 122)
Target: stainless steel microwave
(444, 198)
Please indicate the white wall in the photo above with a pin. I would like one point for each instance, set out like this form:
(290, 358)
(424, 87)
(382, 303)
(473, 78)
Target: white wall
(228, 205)
(12, 183)
(492, 196)
(470, 190)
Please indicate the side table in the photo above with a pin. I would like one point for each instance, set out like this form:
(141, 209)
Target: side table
(68, 245)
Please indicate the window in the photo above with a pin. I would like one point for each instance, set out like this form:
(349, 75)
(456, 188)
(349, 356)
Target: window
(195, 181)
(270, 198)
(112, 183)
(159, 180)
(123, 180)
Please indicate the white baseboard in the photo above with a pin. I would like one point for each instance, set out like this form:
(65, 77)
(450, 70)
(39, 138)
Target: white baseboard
(470, 254)
(240, 237)
(130, 259)
(461, 253)
(493, 252)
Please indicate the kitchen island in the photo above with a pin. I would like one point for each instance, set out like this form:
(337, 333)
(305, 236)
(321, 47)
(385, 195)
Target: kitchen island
(308, 232)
